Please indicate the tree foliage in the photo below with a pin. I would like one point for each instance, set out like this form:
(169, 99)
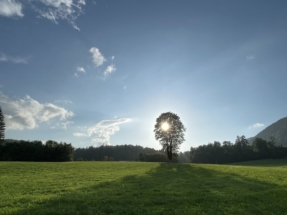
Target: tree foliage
(155, 157)
(107, 158)
(241, 150)
(171, 137)
(2, 127)
(118, 153)
(36, 151)
(183, 157)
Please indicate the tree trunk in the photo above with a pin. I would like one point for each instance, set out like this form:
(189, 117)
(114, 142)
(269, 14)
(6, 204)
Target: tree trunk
(170, 151)
(167, 150)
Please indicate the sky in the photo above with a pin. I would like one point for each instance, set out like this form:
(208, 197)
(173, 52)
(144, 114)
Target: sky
(92, 72)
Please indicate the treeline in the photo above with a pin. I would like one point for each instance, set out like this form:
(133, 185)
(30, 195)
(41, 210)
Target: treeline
(241, 150)
(36, 151)
(116, 153)
(212, 153)
(183, 157)
(155, 157)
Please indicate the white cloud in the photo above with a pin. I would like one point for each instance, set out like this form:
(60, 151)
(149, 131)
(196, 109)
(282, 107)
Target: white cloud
(10, 8)
(76, 75)
(18, 60)
(77, 134)
(6, 58)
(55, 10)
(62, 125)
(3, 57)
(102, 131)
(98, 58)
(249, 57)
(27, 113)
(81, 69)
(257, 125)
(110, 69)
(64, 101)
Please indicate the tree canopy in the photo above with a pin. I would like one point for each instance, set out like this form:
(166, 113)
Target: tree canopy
(2, 127)
(169, 130)
(36, 151)
(239, 151)
(118, 152)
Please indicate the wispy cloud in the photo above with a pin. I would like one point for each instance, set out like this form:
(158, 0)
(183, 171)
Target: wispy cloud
(27, 113)
(11, 8)
(62, 125)
(78, 134)
(63, 101)
(97, 56)
(110, 69)
(257, 125)
(102, 131)
(54, 10)
(99, 60)
(5, 58)
(250, 57)
(81, 69)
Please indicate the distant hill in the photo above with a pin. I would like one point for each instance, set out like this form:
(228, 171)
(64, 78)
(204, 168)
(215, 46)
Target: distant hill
(277, 129)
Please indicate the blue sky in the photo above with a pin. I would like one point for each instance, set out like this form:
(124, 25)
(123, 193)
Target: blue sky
(93, 72)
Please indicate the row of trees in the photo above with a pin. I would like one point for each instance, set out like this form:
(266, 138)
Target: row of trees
(183, 157)
(213, 153)
(118, 153)
(241, 150)
(36, 151)
(13, 150)
(127, 153)
(169, 130)
(2, 127)
(153, 157)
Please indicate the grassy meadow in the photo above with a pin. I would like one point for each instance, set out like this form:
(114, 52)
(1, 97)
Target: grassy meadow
(264, 163)
(141, 188)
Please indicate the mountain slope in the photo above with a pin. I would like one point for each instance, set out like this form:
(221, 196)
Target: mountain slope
(277, 129)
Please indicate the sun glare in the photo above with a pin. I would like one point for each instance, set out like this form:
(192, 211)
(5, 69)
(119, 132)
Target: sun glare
(165, 126)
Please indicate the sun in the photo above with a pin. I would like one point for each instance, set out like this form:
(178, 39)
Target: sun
(165, 126)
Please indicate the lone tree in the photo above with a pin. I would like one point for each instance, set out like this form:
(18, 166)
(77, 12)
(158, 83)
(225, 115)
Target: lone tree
(169, 130)
(2, 127)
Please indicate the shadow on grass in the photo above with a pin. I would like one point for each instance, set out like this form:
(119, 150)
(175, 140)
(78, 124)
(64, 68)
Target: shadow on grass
(171, 189)
(264, 163)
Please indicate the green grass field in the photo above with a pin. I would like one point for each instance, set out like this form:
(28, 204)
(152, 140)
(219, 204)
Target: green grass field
(264, 163)
(141, 188)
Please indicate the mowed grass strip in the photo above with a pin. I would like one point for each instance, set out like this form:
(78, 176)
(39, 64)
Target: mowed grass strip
(140, 188)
